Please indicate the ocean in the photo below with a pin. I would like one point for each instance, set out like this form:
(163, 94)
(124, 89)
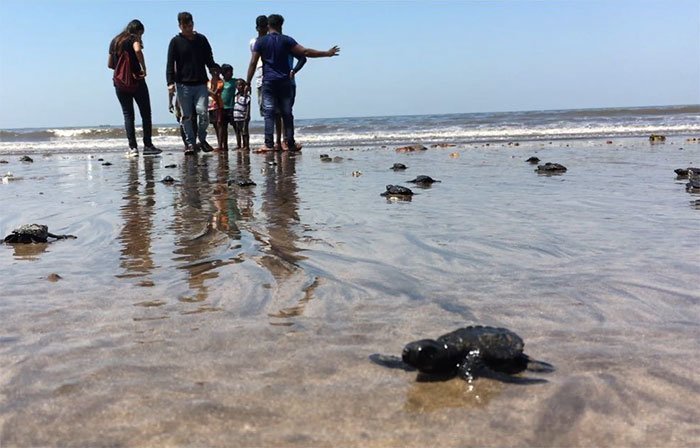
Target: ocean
(372, 131)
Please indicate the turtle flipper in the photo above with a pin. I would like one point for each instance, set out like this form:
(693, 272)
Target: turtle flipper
(390, 361)
(534, 365)
(60, 237)
(473, 366)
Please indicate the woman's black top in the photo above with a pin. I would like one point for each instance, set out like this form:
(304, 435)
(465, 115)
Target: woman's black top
(128, 46)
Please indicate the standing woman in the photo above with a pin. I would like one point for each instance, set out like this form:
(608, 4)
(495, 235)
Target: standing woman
(129, 41)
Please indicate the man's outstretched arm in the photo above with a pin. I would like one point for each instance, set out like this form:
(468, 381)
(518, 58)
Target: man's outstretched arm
(251, 68)
(298, 50)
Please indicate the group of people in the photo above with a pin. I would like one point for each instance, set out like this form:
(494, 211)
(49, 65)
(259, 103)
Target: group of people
(203, 92)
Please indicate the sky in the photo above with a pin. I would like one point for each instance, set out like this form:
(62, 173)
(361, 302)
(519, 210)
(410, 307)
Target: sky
(397, 57)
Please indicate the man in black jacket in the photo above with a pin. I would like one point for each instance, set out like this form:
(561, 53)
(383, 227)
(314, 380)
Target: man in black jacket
(189, 54)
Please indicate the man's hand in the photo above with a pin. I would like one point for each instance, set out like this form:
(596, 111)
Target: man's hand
(171, 88)
(333, 51)
(291, 75)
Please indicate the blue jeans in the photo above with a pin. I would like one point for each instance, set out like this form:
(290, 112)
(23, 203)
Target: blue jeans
(278, 96)
(194, 99)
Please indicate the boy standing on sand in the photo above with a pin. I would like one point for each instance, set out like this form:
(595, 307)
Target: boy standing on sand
(241, 116)
(188, 55)
(216, 109)
(228, 96)
(274, 49)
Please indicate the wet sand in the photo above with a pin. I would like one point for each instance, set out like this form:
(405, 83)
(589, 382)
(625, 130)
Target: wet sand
(203, 314)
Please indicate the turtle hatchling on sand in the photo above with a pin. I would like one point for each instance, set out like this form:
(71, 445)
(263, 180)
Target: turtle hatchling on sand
(398, 167)
(424, 180)
(33, 233)
(242, 182)
(693, 186)
(533, 160)
(469, 352)
(551, 168)
(397, 191)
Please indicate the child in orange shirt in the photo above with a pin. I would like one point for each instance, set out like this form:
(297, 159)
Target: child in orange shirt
(216, 105)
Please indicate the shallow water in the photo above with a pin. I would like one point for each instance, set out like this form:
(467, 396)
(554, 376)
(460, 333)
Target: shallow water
(206, 314)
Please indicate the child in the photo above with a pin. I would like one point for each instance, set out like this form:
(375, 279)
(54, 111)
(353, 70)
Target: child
(228, 97)
(241, 115)
(216, 111)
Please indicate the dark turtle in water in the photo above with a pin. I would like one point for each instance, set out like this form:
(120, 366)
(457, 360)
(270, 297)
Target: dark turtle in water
(424, 180)
(681, 173)
(398, 167)
(243, 182)
(397, 191)
(533, 160)
(693, 186)
(551, 168)
(468, 352)
(33, 233)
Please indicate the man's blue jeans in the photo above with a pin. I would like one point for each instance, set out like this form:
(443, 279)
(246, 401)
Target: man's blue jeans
(278, 96)
(194, 99)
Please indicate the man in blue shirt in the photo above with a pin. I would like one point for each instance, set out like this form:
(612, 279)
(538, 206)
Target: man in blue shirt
(275, 50)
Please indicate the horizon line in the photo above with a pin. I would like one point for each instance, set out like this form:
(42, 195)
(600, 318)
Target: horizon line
(398, 115)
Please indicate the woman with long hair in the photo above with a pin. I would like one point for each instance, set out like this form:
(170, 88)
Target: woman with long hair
(129, 43)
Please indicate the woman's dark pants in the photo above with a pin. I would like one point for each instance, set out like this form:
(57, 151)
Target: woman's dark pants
(143, 101)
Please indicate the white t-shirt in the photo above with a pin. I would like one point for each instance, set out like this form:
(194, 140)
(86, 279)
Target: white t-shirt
(258, 69)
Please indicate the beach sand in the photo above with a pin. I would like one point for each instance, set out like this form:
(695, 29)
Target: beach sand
(203, 314)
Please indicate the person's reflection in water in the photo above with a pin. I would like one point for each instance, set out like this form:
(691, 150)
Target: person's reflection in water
(227, 213)
(245, 195)
(281, 208)
(137, 213)
(205, 222)
(191, 226)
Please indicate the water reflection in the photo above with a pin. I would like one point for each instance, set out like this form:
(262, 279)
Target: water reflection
(245, 196)
(281, 208)
(29, 251)
(137, 213)
(226, 214)
(279, 240)
(456, 393)
(201, 226)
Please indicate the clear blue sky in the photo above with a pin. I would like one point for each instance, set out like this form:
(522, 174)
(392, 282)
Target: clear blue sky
(397, 58)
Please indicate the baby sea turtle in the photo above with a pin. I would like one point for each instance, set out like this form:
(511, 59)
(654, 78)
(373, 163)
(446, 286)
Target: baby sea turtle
(424, 180)
(242, 182)
(397, 191)
(468, 352)
(687, 173)
(33, 233)
(398, 167)
(681, 173)
(26, 159)
(533, 160)
(168, 180)
(551, 168)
